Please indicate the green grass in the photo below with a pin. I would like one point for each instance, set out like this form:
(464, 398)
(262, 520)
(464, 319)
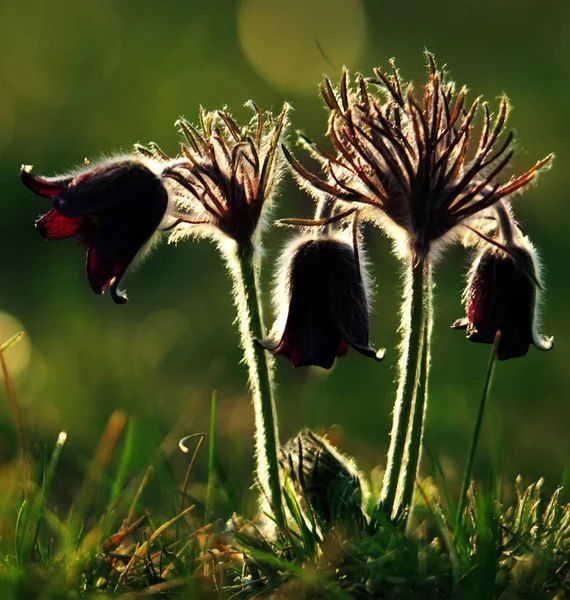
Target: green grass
(127, 533)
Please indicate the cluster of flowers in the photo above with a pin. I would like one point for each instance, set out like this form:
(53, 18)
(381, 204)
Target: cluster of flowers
(409, 166)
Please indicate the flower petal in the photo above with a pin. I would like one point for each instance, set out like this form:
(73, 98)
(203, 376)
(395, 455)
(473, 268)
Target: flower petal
(346, 299)
(47, 188)
(98, 273)
(121, 235)
(310, 340)
(54, 226)
(114, 183)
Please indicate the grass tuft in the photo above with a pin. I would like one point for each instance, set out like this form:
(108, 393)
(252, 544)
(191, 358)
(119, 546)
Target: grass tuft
(130, 533)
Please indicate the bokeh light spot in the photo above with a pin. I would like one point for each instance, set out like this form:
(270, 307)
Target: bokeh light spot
(291, 44)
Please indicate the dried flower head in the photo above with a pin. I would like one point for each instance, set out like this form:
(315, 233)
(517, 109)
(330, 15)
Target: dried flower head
(409, 161)
(321, 301)
(113, 207)
(227, 175)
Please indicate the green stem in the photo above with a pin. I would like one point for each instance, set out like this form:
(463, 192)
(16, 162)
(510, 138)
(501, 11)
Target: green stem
(413, 317)
(416, 430)
(242, 261)
(476, 431)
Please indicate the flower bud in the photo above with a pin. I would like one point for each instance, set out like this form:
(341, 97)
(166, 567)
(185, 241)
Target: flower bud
(328, 480)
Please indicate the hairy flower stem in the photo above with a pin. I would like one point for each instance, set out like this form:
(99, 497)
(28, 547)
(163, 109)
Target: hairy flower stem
(415, 315)
(416, 429)
(242, 260)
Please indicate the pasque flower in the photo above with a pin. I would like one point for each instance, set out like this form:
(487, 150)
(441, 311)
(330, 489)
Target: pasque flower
(223, 184)
(322, 303)
(502, 294)
(326, 479)
(408, 160)
(113, 207)
(226, 175)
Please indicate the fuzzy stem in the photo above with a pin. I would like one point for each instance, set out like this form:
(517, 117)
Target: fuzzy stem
(414, 309)
(242, 262)
(476, 431)
(416, 428)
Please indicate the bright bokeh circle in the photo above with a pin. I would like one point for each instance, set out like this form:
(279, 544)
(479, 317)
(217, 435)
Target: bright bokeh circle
(291, 44)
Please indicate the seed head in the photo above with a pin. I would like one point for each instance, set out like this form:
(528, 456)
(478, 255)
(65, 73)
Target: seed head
(226, 176)
(412, 162)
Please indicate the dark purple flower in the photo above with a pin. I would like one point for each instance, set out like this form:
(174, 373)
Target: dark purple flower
(323, 305)
(502, 295)
(113, 207)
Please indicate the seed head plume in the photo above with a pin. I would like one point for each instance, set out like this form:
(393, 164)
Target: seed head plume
(417, 166)
(226, 175)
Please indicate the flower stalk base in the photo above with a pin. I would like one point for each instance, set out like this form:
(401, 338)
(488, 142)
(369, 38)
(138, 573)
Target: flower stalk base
(242, 262)
(409, 409)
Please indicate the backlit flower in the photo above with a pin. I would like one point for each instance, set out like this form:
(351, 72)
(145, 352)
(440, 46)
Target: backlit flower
(227, 175)
(322, 303)
(114, 208)
(326, 479)
(409, 161)
(502, 295)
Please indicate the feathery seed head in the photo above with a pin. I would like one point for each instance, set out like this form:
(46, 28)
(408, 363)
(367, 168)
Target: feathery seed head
(412, 162)
(226, 175)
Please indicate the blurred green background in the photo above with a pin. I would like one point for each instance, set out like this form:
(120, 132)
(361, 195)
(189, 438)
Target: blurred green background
(88, 79)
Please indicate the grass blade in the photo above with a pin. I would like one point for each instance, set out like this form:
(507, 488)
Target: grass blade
(211, 454)
(12, 397)
(184, 448)
(124, 464)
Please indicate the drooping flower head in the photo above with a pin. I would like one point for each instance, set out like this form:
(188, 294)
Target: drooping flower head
(322, 303)
(502, 294)
(113, 207)
(227, 174)
(410, 161)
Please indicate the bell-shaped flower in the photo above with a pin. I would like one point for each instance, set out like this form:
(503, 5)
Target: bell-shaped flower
(502, 294)
(322, 303)
(113, 207)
